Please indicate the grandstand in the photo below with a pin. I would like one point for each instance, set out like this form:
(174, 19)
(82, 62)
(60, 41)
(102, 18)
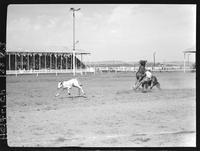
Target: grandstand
(44, 60)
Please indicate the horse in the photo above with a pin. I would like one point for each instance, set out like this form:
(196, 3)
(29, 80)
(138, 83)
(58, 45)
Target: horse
(140, 73)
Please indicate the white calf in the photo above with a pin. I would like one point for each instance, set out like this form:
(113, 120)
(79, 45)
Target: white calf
(69, 84)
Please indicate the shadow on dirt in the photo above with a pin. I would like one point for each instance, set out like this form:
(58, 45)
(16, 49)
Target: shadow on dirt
(72, 97)
(77, 96)
(133, 91)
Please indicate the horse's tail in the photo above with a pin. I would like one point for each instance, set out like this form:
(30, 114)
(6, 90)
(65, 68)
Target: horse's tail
(158, 85)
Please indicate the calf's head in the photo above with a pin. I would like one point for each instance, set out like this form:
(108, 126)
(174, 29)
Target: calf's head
(60, 84)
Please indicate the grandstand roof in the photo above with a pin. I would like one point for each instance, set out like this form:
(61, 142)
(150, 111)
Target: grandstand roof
(52, 49)
(189, 51)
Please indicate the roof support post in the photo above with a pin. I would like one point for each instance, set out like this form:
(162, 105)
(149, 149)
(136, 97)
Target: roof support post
(50, 61)
(39, 61)
(184, 63)
(81, 64)
(61, 61)
(21, 61)
(33, 61)
(66, 62)
(8, 61)
(45, 61)
(56, 64)
(28, 61)
(15, 61)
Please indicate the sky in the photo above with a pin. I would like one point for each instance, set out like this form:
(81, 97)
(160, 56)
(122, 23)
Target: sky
(117, 32)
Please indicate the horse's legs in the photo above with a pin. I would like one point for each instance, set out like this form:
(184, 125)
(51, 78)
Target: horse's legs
(137, 77)
(152, 84)
(143, 86)
(146, 85)
(138, 84)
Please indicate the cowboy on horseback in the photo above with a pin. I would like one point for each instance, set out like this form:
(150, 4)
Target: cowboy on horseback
(145, 77)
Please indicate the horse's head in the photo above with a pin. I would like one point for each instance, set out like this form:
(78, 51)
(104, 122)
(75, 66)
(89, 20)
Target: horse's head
(143, 62)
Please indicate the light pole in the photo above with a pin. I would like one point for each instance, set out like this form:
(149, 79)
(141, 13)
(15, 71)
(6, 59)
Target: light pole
(154, 59)
(75, 54)
(73, 9)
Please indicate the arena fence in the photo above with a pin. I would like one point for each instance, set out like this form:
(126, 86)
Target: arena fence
(94, 70)
(52, 71)
(135, 69)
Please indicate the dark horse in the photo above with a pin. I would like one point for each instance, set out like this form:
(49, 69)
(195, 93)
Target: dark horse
(141, 72)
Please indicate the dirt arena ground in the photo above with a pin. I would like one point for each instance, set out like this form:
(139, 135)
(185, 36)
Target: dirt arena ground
(112, 115)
